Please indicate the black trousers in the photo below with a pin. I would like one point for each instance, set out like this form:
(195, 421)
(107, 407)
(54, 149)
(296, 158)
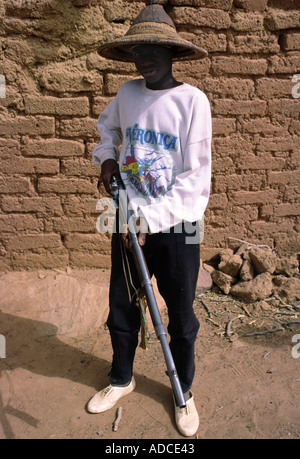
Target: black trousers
(175, 265)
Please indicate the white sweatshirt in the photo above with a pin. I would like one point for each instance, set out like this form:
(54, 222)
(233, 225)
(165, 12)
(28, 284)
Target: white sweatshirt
(165, 159)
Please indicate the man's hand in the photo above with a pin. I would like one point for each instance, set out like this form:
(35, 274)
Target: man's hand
(142, 225)
(108, 169)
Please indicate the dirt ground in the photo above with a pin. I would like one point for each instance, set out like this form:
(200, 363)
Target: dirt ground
(246, 387)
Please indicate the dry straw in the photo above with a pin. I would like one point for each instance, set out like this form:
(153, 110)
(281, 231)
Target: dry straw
(152, 26)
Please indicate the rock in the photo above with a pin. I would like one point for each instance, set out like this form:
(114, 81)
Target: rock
(204, 282)
(230, 264)
(288, 266)
(257, 289)
(247, 271)
(287, 288)
(210, 269)
(223, 281)
(243, 251)
(264, 260)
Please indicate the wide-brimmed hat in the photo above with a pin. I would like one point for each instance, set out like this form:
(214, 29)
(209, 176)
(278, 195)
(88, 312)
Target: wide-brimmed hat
(152, 26)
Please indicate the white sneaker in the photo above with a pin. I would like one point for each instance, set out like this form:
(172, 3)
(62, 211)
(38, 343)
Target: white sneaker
(187, 419)
(108, 397)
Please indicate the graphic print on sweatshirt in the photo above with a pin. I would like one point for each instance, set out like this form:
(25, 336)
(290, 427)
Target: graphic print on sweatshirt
(148, 166)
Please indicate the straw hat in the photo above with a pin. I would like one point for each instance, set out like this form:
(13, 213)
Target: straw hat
(152, 26)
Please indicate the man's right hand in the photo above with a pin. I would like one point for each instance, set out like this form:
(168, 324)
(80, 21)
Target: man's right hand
(108, 169)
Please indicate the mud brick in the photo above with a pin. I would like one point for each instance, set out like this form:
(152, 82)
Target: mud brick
(231, 88)
(263, 228)
(29, 9)
(218, 4)
(90, 260)
(290, 41)
(114, 82)
(201, 17)
(65, 186)
(254, 197)
(289, 64)
(212, 42)
(27, 125)
(55, 148)
(29, 166)
(87, 242)
(276, 144)
(287, 209)
(33, 241)
(279, 20)
(269, 88)
(230, 146)
(264, 125)
(226, 166)
(260, 162)
(223, 65)
(41, 206)
(65, 78)
(79, 127)
(46, 260)
(253, 44)
(218, 201)
(14, 185)
(17, 223)
(235, 182)
(185, 70)
(66, 225)
(252, 5)
(247, 22)
(80, 167)
(283, 178)
(237, 107)
(295, 127)
(286, 107)
(224, 126)
(46, 105)
(100, 103)
(8, 148)
(80, 206)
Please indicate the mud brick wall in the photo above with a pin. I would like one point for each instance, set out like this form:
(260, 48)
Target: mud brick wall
(53, 86)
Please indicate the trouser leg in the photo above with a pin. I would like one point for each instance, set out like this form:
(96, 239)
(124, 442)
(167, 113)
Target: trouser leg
(124, 316)
(176, 269)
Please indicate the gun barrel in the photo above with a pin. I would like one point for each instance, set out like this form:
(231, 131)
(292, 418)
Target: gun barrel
(146, 283)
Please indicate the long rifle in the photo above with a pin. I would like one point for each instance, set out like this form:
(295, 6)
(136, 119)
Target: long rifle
(119, 195)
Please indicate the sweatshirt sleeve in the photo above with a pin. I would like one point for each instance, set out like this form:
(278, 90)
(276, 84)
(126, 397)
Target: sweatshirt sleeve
(110, 134)
(188, 198)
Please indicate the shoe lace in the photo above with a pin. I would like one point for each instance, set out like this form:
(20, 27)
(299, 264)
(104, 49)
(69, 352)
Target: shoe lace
(107, 390)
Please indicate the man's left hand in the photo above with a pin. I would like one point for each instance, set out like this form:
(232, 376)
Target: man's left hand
(142, 226)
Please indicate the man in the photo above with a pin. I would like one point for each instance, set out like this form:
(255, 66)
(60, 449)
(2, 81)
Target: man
(164, 127)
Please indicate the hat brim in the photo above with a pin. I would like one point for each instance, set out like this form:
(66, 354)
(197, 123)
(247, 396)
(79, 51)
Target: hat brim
(119, 49)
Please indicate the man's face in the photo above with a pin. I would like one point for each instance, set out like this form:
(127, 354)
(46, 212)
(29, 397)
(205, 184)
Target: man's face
(153, 62)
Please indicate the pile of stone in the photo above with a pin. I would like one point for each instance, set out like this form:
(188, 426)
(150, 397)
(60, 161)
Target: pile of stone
(253, 273)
